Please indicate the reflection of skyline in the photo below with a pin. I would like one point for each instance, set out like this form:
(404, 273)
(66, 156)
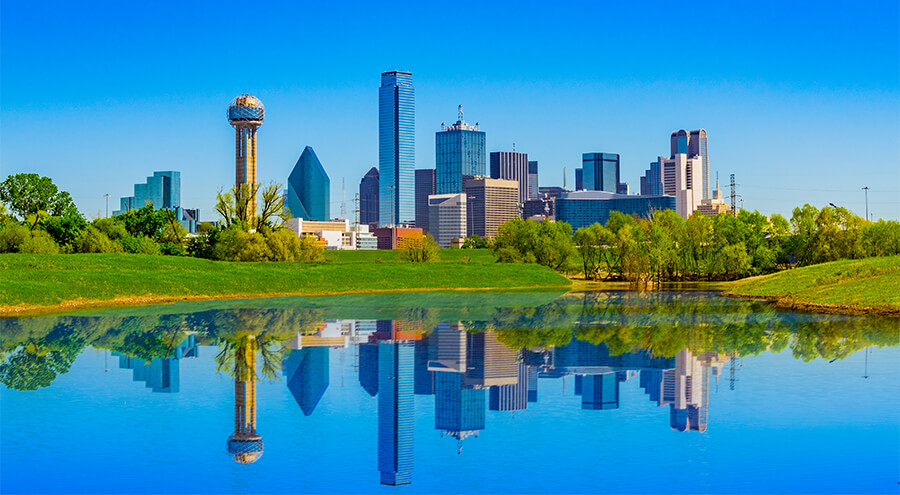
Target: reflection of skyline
(160, 374)
(245, 445)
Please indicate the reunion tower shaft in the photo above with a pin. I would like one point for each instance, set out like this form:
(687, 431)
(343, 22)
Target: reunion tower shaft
(246, 114)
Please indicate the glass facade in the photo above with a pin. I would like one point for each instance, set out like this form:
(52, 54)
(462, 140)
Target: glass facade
(581, 209)
(309, 189)
(692, 143)
(162, 190)
(396, 411)
(579, 179)
(425, 186)
(458, 152)
(396, 149)
(368, 197)
(600, 171)
(533, 180)
(652, 181)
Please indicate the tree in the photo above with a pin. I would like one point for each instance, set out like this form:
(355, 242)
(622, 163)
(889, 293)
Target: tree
(234, 206)
(272, 213)
(65, 228)
(427, 251)
(27, 194)
(144, 221)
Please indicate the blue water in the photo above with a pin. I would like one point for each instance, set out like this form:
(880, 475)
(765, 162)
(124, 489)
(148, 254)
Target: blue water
(780, 425)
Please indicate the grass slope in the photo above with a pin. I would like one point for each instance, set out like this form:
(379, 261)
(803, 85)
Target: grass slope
(30, 283)
(870, 285)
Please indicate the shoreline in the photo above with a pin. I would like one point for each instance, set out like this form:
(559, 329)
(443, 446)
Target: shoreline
(26, 310)
(788, 302)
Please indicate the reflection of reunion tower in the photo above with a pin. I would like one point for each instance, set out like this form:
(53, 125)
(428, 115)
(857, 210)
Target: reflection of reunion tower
(245, 445)
(246, 113)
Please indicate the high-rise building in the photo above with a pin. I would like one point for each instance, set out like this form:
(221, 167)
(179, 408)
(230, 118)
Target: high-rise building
(679, 176)
(396, 149)
(459, 409)
(584, 208)
(459, 151)
(651, 181)
(396, 411)
(579, 179)
(600, 171)
(490, 203)
(692, 144)
(511, 397)
(368, 197)
(488, 362)
(447, 217)
(510, 165)
(425, 186)
(246, 114)
(447, 348)
(309, 189)
(162, 190)
(532, 180)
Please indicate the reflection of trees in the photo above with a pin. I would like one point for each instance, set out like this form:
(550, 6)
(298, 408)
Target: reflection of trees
(35, 366)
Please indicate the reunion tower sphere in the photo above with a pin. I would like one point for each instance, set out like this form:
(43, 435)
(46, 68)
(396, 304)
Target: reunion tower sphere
(246, 110)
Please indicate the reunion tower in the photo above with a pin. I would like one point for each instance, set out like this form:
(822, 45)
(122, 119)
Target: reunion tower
(246, 114)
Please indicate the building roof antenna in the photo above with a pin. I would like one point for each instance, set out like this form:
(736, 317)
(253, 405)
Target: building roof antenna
(460, 113)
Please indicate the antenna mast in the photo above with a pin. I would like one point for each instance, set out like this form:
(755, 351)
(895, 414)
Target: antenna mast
(343, 200)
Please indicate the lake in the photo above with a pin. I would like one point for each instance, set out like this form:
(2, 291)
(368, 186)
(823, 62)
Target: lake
(451, 392)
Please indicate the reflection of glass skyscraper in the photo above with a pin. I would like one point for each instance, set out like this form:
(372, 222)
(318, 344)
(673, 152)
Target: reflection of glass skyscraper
(160, 374)
(396, 149)
(458, 409)
(511, 397)
(306, 370)
(424, 381)
(685, 388)
(459, 150)
(368, 367)
(488, 362)
(396, 414)
(309, 189)
(600, 391)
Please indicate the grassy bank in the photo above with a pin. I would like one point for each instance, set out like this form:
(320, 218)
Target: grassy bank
(866, 286)
(38, 283)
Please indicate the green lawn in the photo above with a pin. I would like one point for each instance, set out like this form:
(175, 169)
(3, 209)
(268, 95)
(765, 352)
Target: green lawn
(871, 282)
(36, 282)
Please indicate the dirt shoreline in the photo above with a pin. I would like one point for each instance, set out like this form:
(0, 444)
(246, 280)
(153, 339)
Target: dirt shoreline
(126, 301)
(788, 302)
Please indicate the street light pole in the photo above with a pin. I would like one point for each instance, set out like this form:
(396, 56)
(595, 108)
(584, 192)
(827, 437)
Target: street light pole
(866, 189)
(107, 204)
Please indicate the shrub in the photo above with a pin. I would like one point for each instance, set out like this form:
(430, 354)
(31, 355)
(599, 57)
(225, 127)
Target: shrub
(427, 251)
(39, 242)
(94, 241)
(113, 228)
(11, 238)
(139, 245)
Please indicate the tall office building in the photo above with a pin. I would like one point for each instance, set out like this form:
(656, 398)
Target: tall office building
(488, 362)
(600, 171)
(162, 190)
(651, 181)
(459, 409)
(532, 180)
(425, 186)
(510, 165)
(368, 197)
(309, 189)
(396, 149)
(489, 204)
(692, 144)
(579, 179)
(511, 397)
(459, 151)
(679, 176)
(246, 114)
(396, 411)
(447, 217)
(447, 348)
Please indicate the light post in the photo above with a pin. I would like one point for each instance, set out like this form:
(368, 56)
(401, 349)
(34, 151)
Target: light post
(866, 189)
(107, 204)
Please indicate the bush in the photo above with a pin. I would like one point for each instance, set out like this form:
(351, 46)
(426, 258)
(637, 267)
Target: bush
(113, 228)
(39, 242)
(428, 251)
(139, 245)
(11, 238)
(94, 241)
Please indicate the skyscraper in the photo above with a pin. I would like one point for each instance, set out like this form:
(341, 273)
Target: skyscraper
(532, 180)
(246, 114)
(162, 190)
(692, 144)
(459, 151)
(425, 186)
(447, 217)
(309, 189)
(490, 203)
(396, 149)
(579, 179)
(510, 165)
(600, 171)
(368, 197)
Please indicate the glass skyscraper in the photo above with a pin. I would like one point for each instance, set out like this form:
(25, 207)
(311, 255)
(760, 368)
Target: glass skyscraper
(425, 186)
(459, 150)
(309, 189)
(368, 197)
(396, 149)
(533, 180)
(396, 413)
(692, 143)
(600, 171)
(162, 190)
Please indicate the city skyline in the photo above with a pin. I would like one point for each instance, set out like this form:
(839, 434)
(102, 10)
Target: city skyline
(539, 95)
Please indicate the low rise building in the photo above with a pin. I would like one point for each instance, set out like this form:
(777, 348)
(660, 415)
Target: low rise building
(336, 234)
(584, 208)
(398, 237)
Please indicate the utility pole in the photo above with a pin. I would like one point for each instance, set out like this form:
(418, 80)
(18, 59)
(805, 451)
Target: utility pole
(866, 189)
(733, 197)
(356, 211)
(107, 205)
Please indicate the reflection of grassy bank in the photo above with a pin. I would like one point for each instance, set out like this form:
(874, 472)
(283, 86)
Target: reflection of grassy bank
(866, 286)
(34, 283)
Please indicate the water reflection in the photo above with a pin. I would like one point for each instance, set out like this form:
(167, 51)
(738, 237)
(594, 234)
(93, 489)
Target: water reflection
(472, 357)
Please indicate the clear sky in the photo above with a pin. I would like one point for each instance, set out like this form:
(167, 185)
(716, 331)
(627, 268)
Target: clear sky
(801, 100)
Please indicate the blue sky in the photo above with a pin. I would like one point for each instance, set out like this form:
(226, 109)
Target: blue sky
(801, 101)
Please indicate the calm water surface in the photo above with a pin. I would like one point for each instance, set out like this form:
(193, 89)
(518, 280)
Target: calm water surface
(451, 393)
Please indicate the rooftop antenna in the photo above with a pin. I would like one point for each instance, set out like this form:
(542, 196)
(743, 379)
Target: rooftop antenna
(514, 147)
(460, 113)
(564, 180)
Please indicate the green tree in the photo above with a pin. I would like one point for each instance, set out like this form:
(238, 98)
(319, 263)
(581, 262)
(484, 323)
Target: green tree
(65, 228)
(427, 251)
(27, 194)
(94, 241)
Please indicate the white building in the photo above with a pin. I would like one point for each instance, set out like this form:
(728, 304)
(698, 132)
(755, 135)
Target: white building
(447, 217)
(337, 234)
(682, 177)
